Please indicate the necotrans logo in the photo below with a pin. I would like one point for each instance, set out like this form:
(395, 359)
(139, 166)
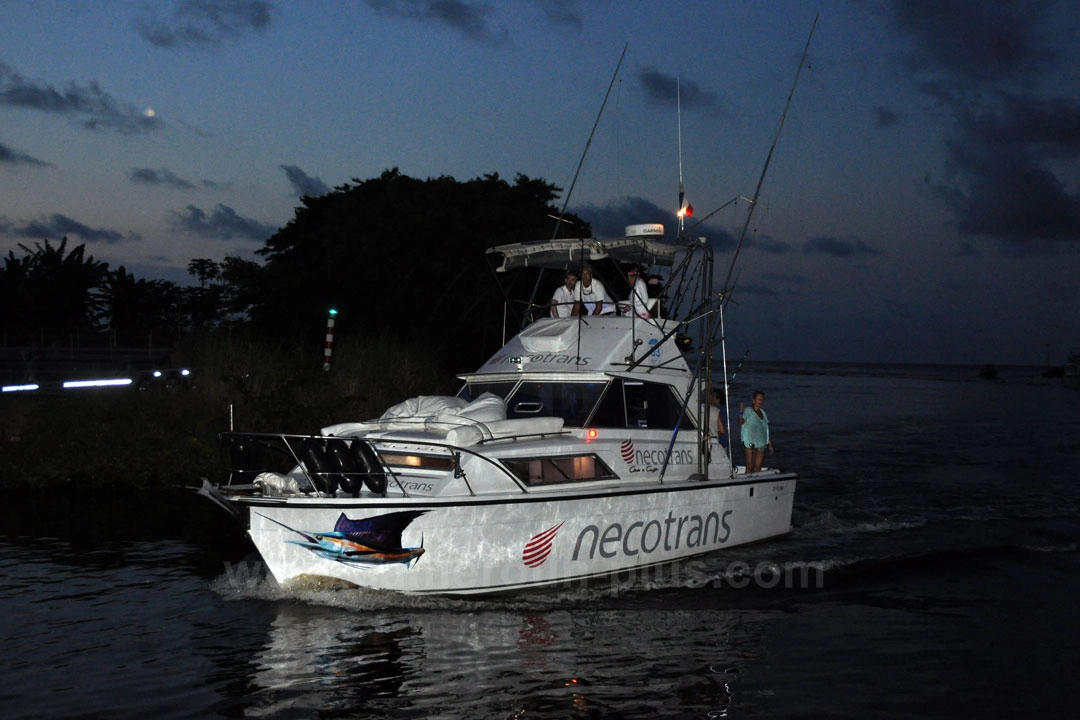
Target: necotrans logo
(671, 533)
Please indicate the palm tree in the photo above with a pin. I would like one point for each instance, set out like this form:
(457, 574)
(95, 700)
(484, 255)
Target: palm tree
(53, 292)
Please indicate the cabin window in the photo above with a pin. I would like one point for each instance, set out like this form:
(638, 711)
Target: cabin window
(640, 404)
(428, 462)
(564, 469)
(572, 401)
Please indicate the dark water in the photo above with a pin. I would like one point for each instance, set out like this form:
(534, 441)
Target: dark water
(933, 571)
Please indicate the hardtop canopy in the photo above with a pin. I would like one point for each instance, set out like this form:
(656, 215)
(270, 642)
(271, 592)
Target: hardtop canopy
(563, 253)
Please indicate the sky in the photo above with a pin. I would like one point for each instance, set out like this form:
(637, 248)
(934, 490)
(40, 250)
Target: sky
(921, 204)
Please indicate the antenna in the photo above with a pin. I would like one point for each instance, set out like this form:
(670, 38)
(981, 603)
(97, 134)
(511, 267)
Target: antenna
(678, 117)
(685, 209)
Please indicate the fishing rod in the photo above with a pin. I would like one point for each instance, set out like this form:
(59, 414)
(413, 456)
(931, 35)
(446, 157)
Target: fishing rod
(739, 366)
(566, 200)
(768, 159)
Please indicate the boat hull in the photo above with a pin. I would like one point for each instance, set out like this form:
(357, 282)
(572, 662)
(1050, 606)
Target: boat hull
(485, 545)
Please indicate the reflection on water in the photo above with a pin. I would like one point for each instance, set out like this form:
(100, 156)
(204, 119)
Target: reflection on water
(352, 653)
(318, 660)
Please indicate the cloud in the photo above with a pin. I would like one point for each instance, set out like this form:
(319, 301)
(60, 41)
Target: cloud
(206, 23)
(471, 19)
(1004, 184)
(1006, 141)
(669, 90)
(1011, 197)
(753, 288)
(835, 247)
(980, 42)
(303, 184)
(223, 223)
(786, 278)
(768, 245)
(1021, 121)
(884, 117)
(562, 13)
(56, 226)
(965, 250)
(770, 285)
(611, 219)
(9, 156)
(96, 107)
(149, 176)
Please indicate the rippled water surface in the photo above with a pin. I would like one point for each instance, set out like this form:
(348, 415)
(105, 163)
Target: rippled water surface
(932, 571)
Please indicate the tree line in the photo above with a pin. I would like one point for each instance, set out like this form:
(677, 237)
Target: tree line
(55, 296)
(397, 257)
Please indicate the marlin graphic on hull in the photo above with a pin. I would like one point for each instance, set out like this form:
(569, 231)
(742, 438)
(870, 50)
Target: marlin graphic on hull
(370, 541)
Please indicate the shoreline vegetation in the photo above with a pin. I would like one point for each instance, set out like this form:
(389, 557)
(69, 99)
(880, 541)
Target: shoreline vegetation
(395, 257)
(97, 439)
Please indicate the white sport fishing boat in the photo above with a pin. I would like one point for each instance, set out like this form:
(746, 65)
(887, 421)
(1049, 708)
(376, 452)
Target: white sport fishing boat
(576, 452)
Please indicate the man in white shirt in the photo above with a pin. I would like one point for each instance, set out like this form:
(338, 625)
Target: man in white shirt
(563, 302)
(593, 295)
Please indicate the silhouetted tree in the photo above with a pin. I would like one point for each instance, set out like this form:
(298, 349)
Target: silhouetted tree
(15, 299)
(204, 269)
(52, 293)
(397, 255)
(222, 297)
(136, 310)
(242, 280)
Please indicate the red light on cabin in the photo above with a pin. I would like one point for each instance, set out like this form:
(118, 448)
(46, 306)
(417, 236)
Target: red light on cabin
(590, 435)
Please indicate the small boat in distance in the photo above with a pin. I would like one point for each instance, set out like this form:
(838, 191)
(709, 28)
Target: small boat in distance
(577, 451)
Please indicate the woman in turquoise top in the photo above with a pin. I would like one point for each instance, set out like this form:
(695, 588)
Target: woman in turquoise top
(754, 429)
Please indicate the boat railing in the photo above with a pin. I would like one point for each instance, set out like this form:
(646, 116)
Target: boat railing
(321, 460)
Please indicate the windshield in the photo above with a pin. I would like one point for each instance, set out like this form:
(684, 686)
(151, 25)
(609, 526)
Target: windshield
(473, 390)
(572, 401)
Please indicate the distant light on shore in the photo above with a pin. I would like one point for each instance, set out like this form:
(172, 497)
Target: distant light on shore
(97, 383)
